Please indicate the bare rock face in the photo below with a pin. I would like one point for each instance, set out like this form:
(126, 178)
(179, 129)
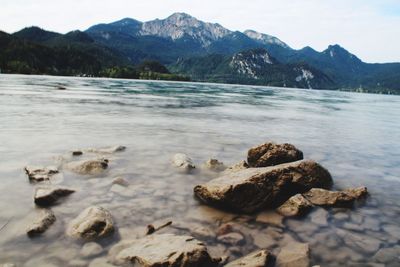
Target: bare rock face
(255, 188)
(183, 161)
(162, 250)
(294, 255)
(270, 154)
(89, 167)
(260, 258)
(43, 222)
(47, 196)
(40, 174)
(94, 222)
(322, 197)
(297, 205)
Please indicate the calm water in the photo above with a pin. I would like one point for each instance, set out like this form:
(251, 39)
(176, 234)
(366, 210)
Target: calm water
(355, 136)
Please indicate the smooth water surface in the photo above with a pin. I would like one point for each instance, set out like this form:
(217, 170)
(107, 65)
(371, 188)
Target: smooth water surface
(355, 136)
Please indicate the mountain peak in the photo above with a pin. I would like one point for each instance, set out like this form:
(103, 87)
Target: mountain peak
(180, 16)
(264, 39)
(125, 22)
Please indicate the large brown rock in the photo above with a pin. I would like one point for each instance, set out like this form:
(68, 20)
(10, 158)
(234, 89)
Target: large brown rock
(260, 258)
(94, 222)
(42, 223)
(88, 167)
(162, 250)
(270, 154)
(255, 188)
(297, 205)
(46, 196)
(322, 197)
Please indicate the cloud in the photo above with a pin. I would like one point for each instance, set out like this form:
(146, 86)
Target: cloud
(368, 28)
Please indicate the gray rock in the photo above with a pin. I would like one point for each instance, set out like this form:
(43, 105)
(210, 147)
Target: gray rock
(120, 181)
(260, 258)
(94, 222)
(183, 161)
(387, 255)
(270, 154)
(252, 189)
(162, 250)
(320, 217)
(297, 205)
(107, 150)
(322, 197)
(91, 249)
(42, 223)
(47, 196)
(88, 167)
(40, 174)
(233, 239)
(294, 255)
(360, 242)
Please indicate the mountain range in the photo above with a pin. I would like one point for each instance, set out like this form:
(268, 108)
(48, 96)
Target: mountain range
(199, 50)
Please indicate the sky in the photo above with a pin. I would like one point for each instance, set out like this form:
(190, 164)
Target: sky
(369, 29)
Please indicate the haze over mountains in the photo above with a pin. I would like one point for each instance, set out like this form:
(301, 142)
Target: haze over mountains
(203, 51)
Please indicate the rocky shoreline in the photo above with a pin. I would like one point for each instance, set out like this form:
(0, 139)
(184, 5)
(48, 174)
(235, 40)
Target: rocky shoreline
(274, 183)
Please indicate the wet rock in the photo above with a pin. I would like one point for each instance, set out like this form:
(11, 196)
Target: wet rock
(89, 167)
(42, 223)
(100, 262)
(91, 249)
(270, 154)
(260, 258)
(387, 255)
(40, 174)
(183, 161)
(264, 240)
(320, 217)
(392, 230)
(322, 197)
(255, 188)
(297, 205)
(360, 242)
(47, 196)
(233, 239)
(294, 255)
(107, 150)
(215, 165)
(162, 250)
(236, 167)
(227, 228)
(77, 153)
(120, 181)
(94, 222)
(270, 217)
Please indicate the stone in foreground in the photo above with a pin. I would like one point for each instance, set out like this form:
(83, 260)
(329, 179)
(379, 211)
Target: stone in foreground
(47, 196)
(89, 167)
(294, 255)
(322, 197)
(94, 222)
(40, 174)
(260, 258)
(183, 161)
(44, 221)
(163, 250)
(271, 154)
(297, 205)
(252, 189)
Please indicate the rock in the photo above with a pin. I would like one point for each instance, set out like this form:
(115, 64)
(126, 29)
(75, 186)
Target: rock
(260, 258)
(294, 255)
(215, 165)
(77, 153)
(120, 181)
(100, 262)
(43, 222)
(107, 150)
(386, 255)
(183, 161)
(320, 217)
(271, 154)
(91, 249)
(232, 239)
(94, 222)
(270, 217)
(322, 197)
(40, 174)
(252, 189)
(297, 205)
(89, 167)
(360, 242)
(236, 167)
(163, 250)
(8, 264)
(46, 196)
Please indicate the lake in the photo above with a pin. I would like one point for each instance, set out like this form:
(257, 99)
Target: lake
(355, 136)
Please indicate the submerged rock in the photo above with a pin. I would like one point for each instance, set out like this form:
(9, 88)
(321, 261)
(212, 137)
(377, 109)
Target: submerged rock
(260, 258)
(322, 197)
(163, 250)
(107, 150)
(89, 167)
(120, 181)
(255, 188)
(215, 165)
(42, 223)
(46, 196)
(294, 255)
(91, 249)
(270, 217)
(183, 161)
(242, 165)
(297, 205)
(40, 174)
(270, 154)
(94, 222)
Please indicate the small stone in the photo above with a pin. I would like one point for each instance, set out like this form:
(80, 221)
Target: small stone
(42, 223)
(320, 217)
(46, 196)
(100, 262)
(294, 255)
(360, 242)
(297, 205)
(322, 197)
(89, 167)
(232, 239)
(271, 154)
(215, 165)
(183, 161)
(260, 258)
(91, 249)
(107, 150)
(77, 153)
(120, 181)
(270, 217)
(40, 174)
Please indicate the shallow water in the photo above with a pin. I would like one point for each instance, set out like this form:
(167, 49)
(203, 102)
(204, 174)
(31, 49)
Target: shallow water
(355, 136)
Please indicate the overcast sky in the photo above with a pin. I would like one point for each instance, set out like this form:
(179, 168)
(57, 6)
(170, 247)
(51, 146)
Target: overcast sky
(368, 28)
